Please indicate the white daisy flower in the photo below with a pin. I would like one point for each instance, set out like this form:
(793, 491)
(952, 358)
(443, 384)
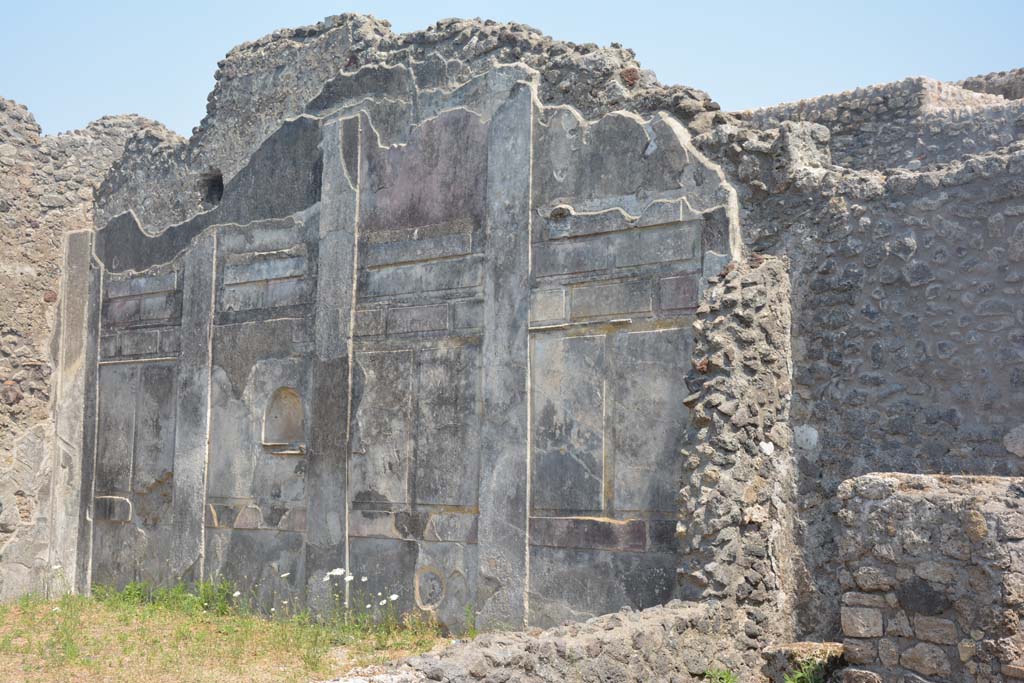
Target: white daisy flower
(236, 594)
(383, 602)
(392, 597)
(369, 606)
(349, 578)
(364, 579)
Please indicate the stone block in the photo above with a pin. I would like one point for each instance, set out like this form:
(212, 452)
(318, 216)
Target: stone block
(872, 579)
(898, 625)
(1013, 589)
(259, 294)
(864, 600)
(663, 211)
(888, 652)
(294, 519)
(861, 622)
(935, 630)
(926, 659)
(1013, 670)
(1011, 527)
(246, 296)
(249, 517)
(857, 651)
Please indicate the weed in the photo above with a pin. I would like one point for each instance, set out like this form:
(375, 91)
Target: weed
(807, 671)
(471, 632)
(720, 676)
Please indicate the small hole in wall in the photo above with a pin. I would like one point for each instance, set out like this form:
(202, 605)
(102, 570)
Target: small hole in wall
(284, 426)
(211, 186)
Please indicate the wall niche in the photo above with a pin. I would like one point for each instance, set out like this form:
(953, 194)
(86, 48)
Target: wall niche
(284, 425)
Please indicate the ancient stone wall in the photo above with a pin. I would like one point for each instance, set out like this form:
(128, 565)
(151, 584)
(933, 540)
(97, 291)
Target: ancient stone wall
(420, 306)
(933, 574)
(46, 191)
(907, 345)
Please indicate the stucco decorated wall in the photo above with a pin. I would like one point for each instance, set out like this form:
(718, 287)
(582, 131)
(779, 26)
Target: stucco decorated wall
(482, 312)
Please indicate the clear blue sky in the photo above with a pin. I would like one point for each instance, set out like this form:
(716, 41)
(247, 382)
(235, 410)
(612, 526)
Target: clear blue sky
(73, 61)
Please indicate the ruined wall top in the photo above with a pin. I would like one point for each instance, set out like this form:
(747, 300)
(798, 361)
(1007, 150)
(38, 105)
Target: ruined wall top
(261, 83)
(1009, 84)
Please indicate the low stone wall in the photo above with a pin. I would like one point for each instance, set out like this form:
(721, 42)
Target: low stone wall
(677, 643)
(933, 574)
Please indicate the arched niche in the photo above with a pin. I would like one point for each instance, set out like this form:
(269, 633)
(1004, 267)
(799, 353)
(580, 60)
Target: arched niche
(284, 425)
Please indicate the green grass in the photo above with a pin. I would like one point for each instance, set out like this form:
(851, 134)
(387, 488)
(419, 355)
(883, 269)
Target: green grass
(200, 634)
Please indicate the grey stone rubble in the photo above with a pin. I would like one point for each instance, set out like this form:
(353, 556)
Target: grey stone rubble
(525, 336)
